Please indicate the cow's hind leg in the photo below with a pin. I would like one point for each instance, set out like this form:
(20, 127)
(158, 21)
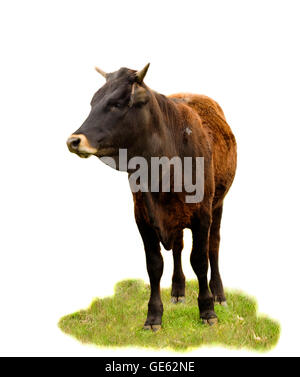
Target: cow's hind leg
(215, 283)
(199, 262)
(178, 278)
(155, 264)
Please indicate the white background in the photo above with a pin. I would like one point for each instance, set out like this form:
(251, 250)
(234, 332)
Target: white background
(67, 226)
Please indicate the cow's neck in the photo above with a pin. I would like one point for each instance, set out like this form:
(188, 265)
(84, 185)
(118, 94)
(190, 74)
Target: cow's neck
(161, 136)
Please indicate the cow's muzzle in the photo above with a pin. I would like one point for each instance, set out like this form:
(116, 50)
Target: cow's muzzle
(79, 144)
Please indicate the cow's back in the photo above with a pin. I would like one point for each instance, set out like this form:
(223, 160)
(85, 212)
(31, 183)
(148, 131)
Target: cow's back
(220, 137)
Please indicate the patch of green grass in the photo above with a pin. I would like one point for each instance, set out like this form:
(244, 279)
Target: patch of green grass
(118, 321)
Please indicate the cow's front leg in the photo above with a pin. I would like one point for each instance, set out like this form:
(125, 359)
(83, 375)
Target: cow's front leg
(155, 269)
(199, 262)
(178, 278)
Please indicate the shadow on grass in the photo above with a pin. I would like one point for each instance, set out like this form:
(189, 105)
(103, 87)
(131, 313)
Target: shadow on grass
(118, 321)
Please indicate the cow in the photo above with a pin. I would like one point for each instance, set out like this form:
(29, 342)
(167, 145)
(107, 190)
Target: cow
(127, 115)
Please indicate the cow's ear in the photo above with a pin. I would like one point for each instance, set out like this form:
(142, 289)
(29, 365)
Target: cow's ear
(139, 96)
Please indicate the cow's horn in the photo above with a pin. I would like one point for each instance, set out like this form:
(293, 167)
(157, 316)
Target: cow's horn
(142, 73)
(104, 74)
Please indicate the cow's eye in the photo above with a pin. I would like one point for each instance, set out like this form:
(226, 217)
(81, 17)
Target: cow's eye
(117, 105)
(113, 105)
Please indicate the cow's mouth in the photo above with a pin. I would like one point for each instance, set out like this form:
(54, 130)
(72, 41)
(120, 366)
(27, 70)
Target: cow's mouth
(107, 152)
(84, 154)
(79, 144)
(102, 152)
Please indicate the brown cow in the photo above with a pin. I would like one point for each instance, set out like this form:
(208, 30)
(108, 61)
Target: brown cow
(126, 114)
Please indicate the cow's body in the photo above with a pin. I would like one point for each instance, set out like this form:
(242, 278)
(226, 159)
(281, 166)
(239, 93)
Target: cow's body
(200, 129)
(184, 125)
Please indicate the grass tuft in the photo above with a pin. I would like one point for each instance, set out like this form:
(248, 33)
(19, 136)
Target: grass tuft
(118, 321)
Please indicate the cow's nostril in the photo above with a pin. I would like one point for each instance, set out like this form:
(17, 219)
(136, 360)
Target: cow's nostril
(73, 143)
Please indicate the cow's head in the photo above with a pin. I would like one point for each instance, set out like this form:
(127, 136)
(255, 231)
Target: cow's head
(119, 111)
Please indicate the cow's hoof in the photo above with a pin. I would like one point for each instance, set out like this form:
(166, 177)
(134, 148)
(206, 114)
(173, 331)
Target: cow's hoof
(154, 328)
(210, 321)
(223, 303)
(179, 299)
(220, 299)
(209, 317)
